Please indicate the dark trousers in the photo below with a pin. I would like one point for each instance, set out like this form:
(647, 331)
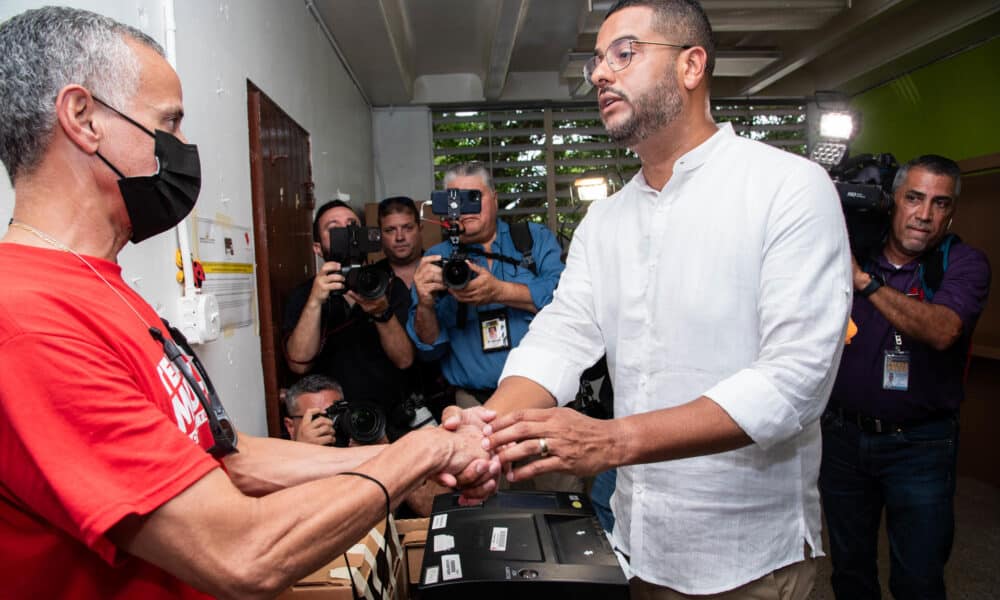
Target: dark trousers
(911, 473)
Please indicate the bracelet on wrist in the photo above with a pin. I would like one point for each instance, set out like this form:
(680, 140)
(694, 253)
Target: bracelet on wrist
(874, 284)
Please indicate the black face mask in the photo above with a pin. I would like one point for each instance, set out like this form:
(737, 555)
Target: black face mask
(157, 202)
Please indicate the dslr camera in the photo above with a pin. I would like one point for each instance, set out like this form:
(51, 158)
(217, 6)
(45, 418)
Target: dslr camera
(864, 184)
(453, 203)
(350, 246)
(361, 422)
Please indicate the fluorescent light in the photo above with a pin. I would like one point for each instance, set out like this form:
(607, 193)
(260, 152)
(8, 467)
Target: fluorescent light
(589, 189)
(836, 126)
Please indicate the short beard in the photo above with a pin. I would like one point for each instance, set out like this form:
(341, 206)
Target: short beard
(651, 112)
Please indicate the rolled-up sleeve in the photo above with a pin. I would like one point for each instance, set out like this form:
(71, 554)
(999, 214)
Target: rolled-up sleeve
(803, 305)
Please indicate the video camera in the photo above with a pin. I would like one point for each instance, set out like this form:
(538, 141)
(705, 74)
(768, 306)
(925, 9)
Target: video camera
(350, 246)
(454, 203)
(361, 422)
(864, 183)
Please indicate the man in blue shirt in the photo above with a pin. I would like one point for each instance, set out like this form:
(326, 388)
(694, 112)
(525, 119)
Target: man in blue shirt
(472, 329)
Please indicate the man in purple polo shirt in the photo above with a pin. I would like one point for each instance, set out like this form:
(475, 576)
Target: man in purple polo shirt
(890, 432)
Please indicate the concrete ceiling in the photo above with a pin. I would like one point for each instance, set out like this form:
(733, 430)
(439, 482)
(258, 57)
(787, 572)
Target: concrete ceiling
(404, 52)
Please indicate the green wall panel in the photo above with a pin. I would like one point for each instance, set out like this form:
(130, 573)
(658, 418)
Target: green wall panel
(951, 107)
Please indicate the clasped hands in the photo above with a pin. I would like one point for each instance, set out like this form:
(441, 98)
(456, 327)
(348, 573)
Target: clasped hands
(526, 443)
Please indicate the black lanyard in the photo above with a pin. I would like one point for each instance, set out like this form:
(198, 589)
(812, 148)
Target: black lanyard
(223, 432)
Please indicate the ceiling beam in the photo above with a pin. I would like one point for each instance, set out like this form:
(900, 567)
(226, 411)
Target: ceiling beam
(837, 31)
(914, 30)
(510, 19)
(400, 37)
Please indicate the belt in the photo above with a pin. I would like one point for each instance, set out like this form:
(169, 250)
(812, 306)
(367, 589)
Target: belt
(869, 424)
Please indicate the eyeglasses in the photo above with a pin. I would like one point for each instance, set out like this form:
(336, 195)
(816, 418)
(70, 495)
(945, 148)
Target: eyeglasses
(223, 432)
(619, 55)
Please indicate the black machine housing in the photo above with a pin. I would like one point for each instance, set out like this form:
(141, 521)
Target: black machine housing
(350, 246)
(864, 183)
(454, 203)
(524, 545)
(362, 422)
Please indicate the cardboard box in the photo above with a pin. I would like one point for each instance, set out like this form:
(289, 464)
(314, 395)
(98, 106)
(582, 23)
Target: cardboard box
(367, 560)
(413, 535)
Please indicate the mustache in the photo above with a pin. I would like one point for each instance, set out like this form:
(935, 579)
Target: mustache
(615, 91)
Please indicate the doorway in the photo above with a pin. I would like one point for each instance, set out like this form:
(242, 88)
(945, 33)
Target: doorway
(283, 204)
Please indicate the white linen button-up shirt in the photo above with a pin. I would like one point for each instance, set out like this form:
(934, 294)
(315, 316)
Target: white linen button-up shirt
(732, 282)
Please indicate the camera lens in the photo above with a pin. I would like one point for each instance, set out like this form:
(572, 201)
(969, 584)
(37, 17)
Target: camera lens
(456, 274)
(372, 282)
(367, 424)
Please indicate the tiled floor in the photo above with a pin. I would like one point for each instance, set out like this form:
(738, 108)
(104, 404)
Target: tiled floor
(973, 572)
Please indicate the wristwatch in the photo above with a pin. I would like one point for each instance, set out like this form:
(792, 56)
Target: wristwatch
(384, 317)
(876, 282)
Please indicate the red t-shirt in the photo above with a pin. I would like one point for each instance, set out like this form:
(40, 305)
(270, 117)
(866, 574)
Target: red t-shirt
(95, 425)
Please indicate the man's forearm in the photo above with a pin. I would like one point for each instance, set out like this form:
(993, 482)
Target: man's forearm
(231, 545)
(265, 465)
(515, 393)
(425, 324)
(396, 343)
(931, 324)
(303, 344)
(516, 295)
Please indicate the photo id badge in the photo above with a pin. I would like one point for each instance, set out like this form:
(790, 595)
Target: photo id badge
(896, 371)
(494, 331)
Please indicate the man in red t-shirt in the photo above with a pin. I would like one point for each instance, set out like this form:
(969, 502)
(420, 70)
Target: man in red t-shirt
(116, 477)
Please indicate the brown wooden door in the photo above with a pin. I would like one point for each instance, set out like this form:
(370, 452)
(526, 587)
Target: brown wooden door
(283, 204)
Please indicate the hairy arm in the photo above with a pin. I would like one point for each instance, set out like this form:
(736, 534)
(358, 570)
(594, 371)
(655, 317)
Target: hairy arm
(235, 546)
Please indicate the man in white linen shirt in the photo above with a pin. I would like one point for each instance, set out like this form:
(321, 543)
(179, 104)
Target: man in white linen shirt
(718, 281)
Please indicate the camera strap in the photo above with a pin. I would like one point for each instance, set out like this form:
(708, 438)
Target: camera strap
(520, 234)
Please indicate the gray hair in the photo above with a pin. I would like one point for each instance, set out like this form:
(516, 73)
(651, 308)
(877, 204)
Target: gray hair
(310, 384)
(42, 51)
(469, 169)
(933, 163)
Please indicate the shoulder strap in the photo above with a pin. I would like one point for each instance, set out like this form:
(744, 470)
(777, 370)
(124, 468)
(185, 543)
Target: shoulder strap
(520, 233)
(933, 265)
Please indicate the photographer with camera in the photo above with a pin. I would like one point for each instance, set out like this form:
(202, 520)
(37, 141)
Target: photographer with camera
(344, 333)
(500, 287)
(890, 430)
(306, 403)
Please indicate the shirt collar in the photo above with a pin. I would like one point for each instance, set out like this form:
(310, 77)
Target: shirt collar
(697, 156)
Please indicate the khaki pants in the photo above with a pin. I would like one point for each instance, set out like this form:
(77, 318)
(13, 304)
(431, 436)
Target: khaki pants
(792, 582)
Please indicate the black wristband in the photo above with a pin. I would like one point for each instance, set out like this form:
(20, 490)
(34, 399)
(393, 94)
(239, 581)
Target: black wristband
(876, 282)
(388, 504)
(384, 317)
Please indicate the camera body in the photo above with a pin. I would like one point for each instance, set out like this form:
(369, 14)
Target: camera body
(864, 184)
(350, 246)
(361, 422)
(413, 413)
(453, 203)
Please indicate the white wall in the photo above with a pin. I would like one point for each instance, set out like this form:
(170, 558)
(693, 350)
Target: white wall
(403, 152)
(220, 45)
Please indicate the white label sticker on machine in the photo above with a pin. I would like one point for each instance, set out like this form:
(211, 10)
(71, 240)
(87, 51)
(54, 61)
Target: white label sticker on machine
(431, 575)
(439, 521)
(443, 543)
(498, 541)
(451, 567)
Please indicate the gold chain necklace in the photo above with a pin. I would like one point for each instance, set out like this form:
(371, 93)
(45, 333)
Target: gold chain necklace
(61, 246)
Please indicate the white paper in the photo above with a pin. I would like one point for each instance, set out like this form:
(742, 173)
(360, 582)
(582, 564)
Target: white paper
(443, 543)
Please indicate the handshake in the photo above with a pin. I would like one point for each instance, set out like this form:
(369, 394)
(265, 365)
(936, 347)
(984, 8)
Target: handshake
(520, 445)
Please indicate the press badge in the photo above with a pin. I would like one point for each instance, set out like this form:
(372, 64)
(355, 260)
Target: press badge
(493, 329)
(896, 370)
